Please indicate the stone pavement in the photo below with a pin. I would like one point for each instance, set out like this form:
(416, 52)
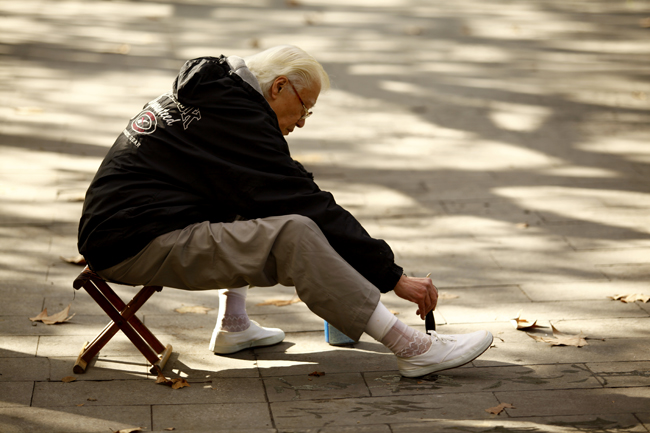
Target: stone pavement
(501, 146)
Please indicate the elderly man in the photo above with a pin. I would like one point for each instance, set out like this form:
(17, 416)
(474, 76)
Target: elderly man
(200, 192)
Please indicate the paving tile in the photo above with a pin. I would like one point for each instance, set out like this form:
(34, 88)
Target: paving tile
(29, 306)
(65, 346)
(16, 394)
(291, 322)
(101, 368)
(581, 290)
(146, 391)
(501, 423)
(633, 271)
(644, 417)
(622, 374)
(613, 350)
(373, 428)
(523, 266)
(24, 369)
(208, 365)
(33, 285)
(305, 387)
(180, 324)
(212, 417)
(77, 325)
(596, 236)
(341, 360)
(504, 332)
(461, 380)
(380, 410)
(314, 341)
(576, 402)
(74, 419)
(17, 346)
(554, 311)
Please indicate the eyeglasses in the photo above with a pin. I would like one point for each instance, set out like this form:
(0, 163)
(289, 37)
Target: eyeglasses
(307, 112)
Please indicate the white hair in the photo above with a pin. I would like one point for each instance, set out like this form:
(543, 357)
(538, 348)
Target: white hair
(290, 61)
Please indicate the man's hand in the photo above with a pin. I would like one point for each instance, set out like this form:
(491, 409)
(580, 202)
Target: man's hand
(420, 291)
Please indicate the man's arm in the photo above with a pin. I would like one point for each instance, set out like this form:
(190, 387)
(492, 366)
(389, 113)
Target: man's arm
(420, 291)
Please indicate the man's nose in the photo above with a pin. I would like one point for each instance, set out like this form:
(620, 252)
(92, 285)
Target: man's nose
(300, 123)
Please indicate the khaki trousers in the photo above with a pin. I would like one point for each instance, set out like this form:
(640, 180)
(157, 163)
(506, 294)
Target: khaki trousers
(289, 250)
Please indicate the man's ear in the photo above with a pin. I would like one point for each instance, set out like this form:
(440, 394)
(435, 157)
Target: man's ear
(277, 86)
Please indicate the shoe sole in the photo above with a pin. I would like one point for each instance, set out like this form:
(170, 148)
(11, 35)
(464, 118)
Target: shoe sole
(458, 362)
(268, 341)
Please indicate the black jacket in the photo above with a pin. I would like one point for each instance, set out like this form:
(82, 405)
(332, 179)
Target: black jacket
(211, 150)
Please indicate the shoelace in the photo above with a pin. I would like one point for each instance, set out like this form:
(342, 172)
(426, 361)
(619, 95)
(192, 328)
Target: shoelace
(442, 338)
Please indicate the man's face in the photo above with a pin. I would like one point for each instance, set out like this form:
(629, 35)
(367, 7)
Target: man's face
(287, 106)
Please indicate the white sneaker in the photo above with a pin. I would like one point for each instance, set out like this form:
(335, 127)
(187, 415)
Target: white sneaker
(224, 342)
(446, 351)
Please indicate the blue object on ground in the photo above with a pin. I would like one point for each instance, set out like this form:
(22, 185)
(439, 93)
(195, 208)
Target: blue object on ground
(335, 337)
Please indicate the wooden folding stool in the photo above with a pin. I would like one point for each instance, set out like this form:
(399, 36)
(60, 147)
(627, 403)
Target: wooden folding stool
(122, 318)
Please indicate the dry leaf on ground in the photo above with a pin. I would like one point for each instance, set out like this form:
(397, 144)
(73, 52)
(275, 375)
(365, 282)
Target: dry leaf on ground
(128, 430)
(279, 302)
(561, 339)
(317, 373)
(520, 323)
(179, 383)
(77, 260)
(197, 309)
(630, 298)
(176, 383)
(60, 317)
(169, 429)
(496, 410)
(68, 379)
(163, 380)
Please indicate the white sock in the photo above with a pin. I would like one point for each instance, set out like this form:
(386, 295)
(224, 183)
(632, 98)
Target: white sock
(380, 322)
(232, 315)
(401, 339)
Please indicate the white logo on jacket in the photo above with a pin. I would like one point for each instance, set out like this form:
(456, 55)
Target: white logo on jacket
(144, 123)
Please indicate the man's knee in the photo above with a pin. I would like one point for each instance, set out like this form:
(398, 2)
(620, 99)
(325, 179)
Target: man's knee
(300, 227)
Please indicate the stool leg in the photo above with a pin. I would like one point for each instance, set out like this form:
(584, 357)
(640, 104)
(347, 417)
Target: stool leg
(120, 321)
(140, 298)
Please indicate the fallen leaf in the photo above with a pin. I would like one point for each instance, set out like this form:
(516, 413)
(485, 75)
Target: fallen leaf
(179, 383)
(169, 429)
(522, 225)
(60, 317)
(628, 299)
(561, 339)
(68, 379)
(280, 302)
(317, 373)
(197, 309)
(520, 323)
(76, 260)
(128, 430)
(496, 410)
(79, 405)
(176, 383)
(92, 399)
